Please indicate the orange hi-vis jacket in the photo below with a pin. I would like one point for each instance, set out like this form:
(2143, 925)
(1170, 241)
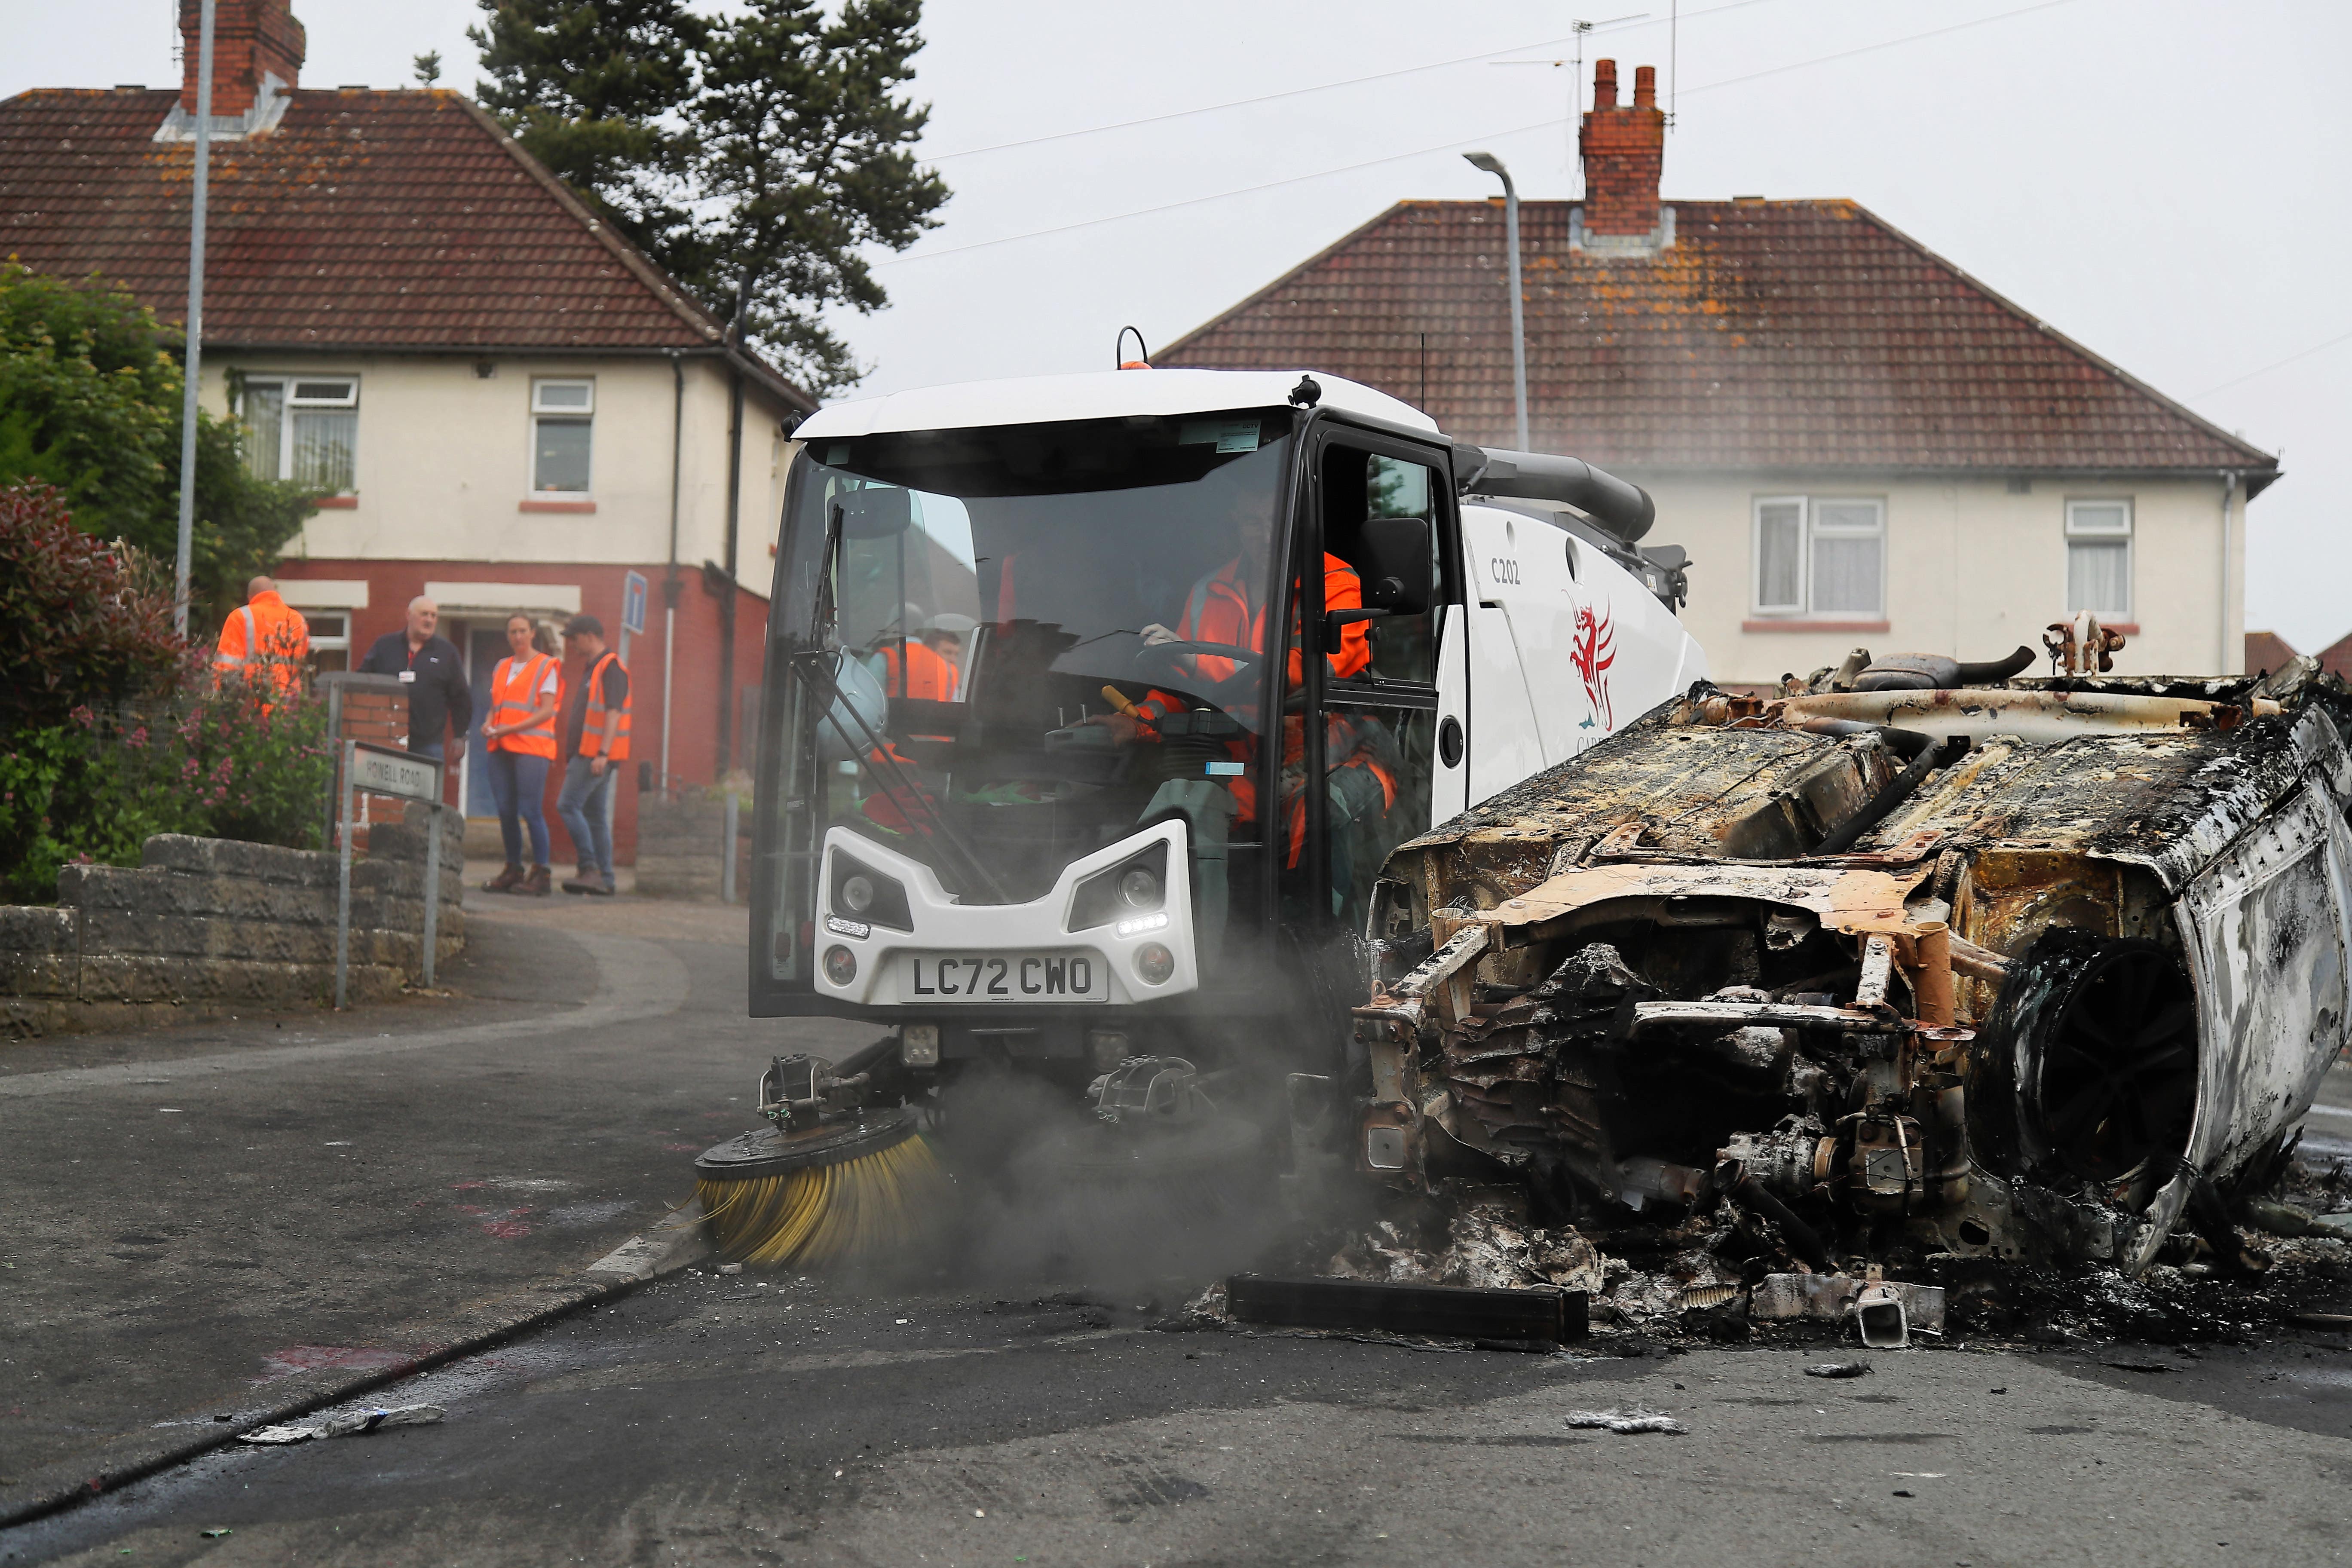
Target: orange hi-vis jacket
(917, 669)
(266, 634)
(591, 735)
(515, 687)
(1219, 611)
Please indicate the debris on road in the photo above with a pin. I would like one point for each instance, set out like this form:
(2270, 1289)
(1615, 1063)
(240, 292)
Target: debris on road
(1514, 1317)
(345, 1425)
(1839, 1369)
(1628, 1420)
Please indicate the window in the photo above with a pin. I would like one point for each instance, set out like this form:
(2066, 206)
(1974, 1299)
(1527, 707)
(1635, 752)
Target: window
(1821, 558)
(2098, 557)
(304, 429)
(330, 639)
(561, 414)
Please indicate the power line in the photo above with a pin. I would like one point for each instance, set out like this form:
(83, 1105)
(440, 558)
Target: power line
(2281, 364)
(1447, 145)
(1888, 44)
(1303, 92)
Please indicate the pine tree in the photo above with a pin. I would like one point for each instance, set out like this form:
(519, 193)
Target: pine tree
(802, 149)
(592, 89)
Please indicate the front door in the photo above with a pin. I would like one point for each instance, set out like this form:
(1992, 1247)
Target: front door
(484, 646)
(1376, 744)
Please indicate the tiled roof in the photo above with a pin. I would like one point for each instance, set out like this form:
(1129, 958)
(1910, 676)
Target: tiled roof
(1772, 335)
(2268, 650)
(366, 220)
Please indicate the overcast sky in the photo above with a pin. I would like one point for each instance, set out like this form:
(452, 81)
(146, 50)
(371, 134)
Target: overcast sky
(2160, 179)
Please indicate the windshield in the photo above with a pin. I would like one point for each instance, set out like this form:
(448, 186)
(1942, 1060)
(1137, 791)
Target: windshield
(1001, 648)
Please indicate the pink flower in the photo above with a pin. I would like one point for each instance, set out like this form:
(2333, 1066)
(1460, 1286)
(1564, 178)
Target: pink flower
(82, 716)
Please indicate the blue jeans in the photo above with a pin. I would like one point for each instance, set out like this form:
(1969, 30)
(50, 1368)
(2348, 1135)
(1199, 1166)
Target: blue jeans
(433, 750)
(582, 806)
(519, 782)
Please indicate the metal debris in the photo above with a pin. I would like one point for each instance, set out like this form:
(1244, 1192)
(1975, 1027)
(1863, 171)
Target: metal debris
(1839, 1369)
(345, 1425)
(2035, 972)
(1628, 1420)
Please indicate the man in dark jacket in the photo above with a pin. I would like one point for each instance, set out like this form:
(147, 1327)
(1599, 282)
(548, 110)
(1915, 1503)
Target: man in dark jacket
(427, 666)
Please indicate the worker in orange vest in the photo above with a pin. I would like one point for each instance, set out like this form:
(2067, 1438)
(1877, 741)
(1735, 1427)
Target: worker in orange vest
(926, 666)
(1226, 608)
(265, 637)
(595, 738)
(520, 731)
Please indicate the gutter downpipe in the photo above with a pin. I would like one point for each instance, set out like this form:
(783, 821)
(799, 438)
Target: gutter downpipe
(2229, 501)
(726, 604)
(669, 579)
(192, 367)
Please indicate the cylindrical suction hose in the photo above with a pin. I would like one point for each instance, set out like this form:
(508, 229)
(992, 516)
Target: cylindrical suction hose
(1624, 508)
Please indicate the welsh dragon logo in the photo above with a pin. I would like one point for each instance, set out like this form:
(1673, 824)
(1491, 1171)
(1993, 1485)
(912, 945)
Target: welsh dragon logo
(1592, 651)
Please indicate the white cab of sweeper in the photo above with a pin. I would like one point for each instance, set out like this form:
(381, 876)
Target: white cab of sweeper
(971, 578)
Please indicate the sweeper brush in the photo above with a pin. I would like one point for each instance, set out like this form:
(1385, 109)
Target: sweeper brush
(828, 1183)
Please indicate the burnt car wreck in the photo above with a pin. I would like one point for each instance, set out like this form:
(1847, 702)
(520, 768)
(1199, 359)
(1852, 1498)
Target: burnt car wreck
(1908, 961)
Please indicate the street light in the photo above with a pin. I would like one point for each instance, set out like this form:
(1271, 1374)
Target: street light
(1494, 165)
(192, 363)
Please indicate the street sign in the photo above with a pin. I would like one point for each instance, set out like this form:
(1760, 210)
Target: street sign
(378, 770)
(632, 603)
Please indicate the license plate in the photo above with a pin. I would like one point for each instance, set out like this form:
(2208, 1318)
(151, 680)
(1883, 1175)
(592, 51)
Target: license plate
(1032, 977)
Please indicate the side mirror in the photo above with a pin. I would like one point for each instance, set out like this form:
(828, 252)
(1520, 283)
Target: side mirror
(874, 513)
(1399, 572)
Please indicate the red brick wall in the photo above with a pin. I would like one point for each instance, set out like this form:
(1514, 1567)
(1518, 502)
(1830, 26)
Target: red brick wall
(1624, 151)
(694, 726)
(249, 37)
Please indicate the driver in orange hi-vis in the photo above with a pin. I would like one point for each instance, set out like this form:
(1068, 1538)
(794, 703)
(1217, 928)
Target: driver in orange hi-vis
(1226, 608)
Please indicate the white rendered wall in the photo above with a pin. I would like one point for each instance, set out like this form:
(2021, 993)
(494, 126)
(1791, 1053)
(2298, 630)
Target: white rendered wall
(1972, 570)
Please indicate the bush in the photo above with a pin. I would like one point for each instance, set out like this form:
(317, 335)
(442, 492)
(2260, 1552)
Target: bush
(77, 624)
(241, 761)
(90, 402)
(112, 728)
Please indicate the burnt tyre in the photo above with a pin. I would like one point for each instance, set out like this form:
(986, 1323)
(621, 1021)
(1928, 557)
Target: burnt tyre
(2100, 1034)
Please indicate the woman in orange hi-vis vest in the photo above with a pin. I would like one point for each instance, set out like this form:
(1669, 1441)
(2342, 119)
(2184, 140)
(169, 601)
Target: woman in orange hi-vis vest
(520, 730)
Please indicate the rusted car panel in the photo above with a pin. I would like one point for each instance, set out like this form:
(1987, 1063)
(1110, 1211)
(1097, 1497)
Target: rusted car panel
(2033, 969)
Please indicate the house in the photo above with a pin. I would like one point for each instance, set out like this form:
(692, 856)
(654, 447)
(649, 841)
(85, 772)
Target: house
(506, 405)
(1858, 443)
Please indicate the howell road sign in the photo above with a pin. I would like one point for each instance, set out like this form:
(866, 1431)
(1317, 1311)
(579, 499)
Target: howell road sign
(378, 770)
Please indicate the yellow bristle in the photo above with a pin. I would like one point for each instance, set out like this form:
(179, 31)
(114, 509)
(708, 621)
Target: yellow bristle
(824, 1215)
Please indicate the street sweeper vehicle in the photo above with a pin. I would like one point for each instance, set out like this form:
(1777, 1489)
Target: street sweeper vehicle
(1093, 706)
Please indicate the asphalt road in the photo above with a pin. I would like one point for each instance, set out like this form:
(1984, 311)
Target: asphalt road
(715, 1420)
(197, 1215)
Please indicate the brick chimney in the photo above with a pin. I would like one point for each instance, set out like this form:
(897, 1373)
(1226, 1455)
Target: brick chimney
(1623, 149)
(251, 39)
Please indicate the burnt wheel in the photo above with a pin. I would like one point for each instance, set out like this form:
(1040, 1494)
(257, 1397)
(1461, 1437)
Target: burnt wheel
(2107, 1060)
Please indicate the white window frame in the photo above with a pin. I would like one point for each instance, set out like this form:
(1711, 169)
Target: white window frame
(341, 644)
(1808, 526)
(540, 409)
(286, 382)
(2091, 533)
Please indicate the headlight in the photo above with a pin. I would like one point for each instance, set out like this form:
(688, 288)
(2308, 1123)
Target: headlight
(863, 893)
(840, 966)
(1137, 883)
(918, 1044)
(1154, 963)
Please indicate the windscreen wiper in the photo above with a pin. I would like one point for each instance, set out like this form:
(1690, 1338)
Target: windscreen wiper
(808, 665)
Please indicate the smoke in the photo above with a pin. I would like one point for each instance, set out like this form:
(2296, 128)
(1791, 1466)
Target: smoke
(1048, 1193)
